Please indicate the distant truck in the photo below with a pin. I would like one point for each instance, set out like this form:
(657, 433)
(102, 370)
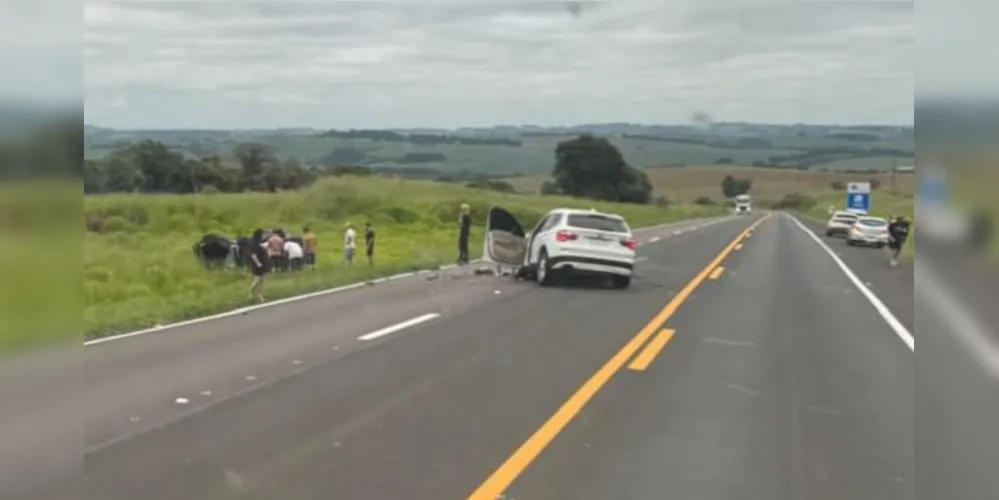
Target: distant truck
(743, 204)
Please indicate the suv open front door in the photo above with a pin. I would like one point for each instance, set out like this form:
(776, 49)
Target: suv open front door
(506, 240)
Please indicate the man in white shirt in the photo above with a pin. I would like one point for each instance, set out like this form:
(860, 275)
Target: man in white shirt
(349, 244)
(294, 253)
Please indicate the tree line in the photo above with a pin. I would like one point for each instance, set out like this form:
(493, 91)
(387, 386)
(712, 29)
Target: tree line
(151, 167)
(420, 139)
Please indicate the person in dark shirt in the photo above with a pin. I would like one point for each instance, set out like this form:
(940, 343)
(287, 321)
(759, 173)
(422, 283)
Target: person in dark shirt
(258, 265)
(898, 233)
(464, 229)
(369, 243)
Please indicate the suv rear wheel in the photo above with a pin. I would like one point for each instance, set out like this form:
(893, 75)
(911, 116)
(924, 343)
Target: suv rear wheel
(621, 282)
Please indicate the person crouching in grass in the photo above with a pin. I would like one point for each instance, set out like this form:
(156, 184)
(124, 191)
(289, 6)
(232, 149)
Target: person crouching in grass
(293, 254)
(258, 266)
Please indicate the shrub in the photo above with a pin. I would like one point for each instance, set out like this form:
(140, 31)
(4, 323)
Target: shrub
(838, 185)
(114, 224)
(704, 201)
(796, 201)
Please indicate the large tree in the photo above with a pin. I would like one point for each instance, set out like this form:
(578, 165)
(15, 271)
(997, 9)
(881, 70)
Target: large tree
(258, 163)
(592, 167)
(732, 187)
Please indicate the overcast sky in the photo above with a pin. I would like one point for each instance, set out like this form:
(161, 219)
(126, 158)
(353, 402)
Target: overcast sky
(332, 64)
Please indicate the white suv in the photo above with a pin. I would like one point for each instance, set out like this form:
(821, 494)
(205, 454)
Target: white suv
(565, 241)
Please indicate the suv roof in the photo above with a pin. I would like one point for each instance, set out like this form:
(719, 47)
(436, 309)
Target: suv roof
(572, 211)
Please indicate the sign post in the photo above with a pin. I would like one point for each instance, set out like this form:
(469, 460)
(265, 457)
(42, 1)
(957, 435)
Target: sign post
(858, 197)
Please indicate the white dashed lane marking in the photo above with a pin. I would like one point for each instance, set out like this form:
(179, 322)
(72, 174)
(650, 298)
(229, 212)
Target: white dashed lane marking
(388, 330)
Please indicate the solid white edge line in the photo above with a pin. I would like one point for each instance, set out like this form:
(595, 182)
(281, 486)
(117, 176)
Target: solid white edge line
(388, 330)
(241, 310)
(296, 298)
(893, 322)
(962, 321)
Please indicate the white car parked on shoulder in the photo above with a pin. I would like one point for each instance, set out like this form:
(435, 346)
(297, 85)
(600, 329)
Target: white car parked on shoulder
(840, 222)
(565, 241)
(868, 231)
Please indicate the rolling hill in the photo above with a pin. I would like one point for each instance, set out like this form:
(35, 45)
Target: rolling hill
(509, 151)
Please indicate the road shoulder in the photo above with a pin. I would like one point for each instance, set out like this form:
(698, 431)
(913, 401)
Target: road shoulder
(894, 286)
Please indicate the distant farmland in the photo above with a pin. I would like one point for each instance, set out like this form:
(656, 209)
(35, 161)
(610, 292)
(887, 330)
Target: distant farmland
(685, 184)
(534, 154)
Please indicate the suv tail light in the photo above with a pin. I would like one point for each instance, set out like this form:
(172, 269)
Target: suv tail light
(565, 236)
(631, 244)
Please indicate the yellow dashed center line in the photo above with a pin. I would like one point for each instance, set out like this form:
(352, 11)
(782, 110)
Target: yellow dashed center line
(716, 273)
(501, 479)
(644, 358)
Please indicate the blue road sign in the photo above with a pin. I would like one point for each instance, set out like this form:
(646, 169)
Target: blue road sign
(858, 197)
(932, 188)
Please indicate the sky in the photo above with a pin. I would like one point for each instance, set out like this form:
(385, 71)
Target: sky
(441, 63)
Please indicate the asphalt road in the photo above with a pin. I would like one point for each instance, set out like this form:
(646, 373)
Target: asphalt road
(957, 366)
(776, 379)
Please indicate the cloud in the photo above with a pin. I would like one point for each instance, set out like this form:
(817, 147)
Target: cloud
(40, 51)
(385, 64)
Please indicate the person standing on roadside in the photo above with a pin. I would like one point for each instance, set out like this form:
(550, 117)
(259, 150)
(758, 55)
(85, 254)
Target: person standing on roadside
(258, 265)
(369, 243)
(898, 233)
(275, 250)
(349, 244)
(309, 247)
(464, 230)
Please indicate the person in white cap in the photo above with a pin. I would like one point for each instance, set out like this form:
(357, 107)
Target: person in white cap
(349, 244)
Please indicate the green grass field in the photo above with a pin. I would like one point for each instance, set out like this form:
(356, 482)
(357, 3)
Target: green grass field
(40, 295)
(139, 269)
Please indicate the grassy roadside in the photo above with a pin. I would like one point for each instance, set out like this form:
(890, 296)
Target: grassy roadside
(40, 278)
(139, 270)
(885, 204)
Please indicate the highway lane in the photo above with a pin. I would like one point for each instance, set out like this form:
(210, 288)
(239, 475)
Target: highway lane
(781, 381)
(957, 365)
(894, 286)
(57, 406)
(134, 383)
(422, 414)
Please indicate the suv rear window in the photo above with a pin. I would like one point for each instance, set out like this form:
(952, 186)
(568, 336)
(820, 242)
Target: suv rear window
(873, 223)
(597, 222)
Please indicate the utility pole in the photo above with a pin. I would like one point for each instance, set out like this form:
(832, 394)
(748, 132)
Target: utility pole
(894, 170)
